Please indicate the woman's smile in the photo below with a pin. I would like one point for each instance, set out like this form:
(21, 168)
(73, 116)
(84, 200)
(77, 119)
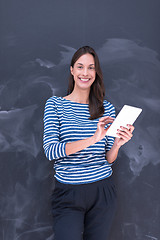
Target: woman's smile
(84, 79)
(84, 72)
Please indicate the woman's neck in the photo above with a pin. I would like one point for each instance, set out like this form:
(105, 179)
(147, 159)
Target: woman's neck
(82, 97)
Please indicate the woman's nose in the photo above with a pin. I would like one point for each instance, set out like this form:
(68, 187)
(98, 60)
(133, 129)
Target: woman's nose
(85, 71)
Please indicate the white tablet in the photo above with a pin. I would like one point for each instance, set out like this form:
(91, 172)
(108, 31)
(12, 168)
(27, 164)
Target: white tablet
(127, 115)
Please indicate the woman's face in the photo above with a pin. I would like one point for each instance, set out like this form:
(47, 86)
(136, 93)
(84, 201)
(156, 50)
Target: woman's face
(83, 71)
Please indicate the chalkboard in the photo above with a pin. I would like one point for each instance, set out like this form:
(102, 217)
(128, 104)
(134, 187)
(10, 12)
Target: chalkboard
(38, 39)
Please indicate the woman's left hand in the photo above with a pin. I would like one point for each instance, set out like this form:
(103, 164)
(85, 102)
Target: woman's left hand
(125, 134)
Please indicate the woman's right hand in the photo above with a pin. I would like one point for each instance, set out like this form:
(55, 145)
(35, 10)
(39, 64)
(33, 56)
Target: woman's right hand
(101, 131)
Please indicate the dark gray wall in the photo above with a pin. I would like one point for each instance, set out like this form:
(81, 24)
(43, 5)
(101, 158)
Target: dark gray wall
(38, 38)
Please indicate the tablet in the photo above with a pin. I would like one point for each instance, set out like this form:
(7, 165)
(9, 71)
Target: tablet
(127, 115)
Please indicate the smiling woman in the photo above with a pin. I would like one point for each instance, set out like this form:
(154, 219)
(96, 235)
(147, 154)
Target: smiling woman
(75, 126)
(83, 71)
(85, 66)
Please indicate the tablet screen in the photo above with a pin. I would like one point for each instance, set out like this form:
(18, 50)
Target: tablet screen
(127, 115)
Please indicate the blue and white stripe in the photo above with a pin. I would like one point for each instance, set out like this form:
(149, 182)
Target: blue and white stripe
(66, 121)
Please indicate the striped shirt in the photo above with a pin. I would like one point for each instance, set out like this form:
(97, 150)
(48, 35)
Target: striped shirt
(67, 121)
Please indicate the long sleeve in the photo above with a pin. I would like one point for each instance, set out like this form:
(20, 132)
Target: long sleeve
(53, 148)
(109, 139)
(66, 121)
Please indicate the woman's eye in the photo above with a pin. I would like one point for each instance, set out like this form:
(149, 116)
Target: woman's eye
(92, 68)
(80, 67)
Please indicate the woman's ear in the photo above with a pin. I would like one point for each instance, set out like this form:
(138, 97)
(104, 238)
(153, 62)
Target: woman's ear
(71, 69)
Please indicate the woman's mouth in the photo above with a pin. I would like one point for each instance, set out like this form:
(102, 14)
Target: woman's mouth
(84, 79)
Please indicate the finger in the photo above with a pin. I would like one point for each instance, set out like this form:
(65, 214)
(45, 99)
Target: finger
(126, 130)
(107, 121)
(131, 127)
(104, 124)
(125, 134)
(106, 118)
(101, 124)
(124, 138)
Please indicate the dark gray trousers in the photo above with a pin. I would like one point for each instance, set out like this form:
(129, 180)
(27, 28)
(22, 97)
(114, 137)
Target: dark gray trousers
(83, 211)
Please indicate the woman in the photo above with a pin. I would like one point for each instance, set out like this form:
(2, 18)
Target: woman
(75, 127)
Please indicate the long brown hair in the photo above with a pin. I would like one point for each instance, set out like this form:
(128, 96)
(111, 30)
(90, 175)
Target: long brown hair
(97, 90)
